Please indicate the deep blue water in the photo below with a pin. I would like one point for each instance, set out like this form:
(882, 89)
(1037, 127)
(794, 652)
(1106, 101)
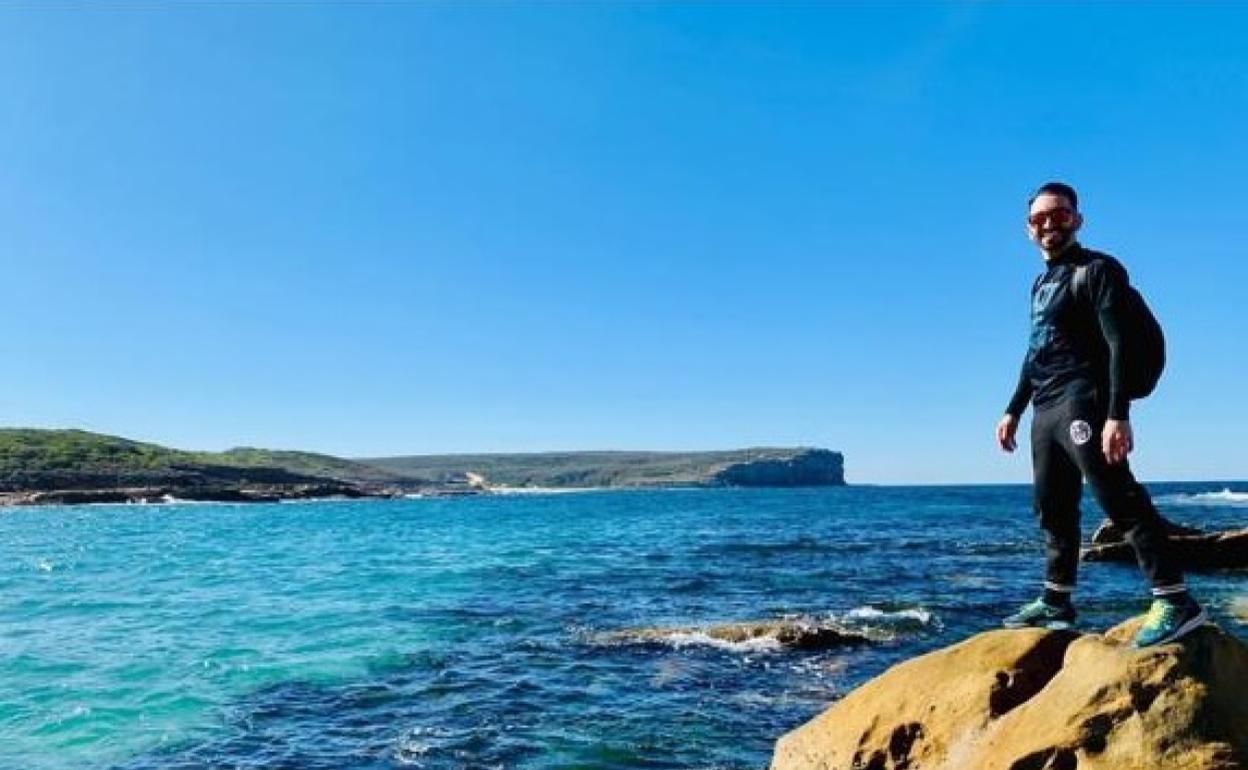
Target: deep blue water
(467, 632)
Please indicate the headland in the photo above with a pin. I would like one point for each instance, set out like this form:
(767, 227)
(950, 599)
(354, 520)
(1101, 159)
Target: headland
(73, 466)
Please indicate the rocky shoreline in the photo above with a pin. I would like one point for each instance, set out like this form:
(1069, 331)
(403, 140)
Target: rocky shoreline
(165, 494)
(307, 490)
(1032, 699)
(151, 495)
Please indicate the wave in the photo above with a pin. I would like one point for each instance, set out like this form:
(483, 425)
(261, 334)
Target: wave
(172, 500)
(1224, 497)
(679, 639)
(918, 615)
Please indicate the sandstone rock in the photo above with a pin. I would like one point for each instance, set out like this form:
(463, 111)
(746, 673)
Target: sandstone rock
(1041, 700)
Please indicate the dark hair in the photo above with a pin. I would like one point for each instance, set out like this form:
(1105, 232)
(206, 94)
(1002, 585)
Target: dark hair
(1056, 188)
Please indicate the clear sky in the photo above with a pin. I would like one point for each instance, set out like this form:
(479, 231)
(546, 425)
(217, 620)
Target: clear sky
(391, 228)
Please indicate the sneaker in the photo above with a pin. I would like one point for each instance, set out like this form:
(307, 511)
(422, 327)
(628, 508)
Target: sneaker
(1168, 620)
(1040, 615)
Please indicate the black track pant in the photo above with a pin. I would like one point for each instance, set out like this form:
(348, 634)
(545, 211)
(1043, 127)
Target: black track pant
(1065, 448)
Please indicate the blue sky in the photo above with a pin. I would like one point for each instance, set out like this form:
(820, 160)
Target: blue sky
(395, 228)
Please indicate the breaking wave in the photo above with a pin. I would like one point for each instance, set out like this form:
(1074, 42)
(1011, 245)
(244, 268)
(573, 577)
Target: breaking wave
(1224, 497)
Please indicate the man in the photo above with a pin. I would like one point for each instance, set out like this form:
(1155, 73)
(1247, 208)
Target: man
(1074, 375)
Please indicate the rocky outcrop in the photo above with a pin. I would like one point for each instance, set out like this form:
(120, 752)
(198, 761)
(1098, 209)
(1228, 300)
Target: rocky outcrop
(810, 468)
(784, 633)
(1108, 532)
(1196, 550)
(1041, 700)
(1215, 550)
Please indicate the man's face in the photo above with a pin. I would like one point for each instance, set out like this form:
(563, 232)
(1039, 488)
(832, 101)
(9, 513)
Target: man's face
(1052, 222)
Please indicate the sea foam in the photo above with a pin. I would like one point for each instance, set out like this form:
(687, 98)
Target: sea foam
(1224, 497)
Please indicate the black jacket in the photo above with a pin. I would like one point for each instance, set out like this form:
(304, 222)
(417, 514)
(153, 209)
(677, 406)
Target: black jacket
(1076, 341)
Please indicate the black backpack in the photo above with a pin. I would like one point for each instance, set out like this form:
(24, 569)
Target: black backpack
(1144, 344)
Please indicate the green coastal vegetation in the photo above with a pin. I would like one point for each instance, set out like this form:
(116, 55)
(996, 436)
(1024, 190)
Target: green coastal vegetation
(39, 466)
(74, 466)
(46, 459)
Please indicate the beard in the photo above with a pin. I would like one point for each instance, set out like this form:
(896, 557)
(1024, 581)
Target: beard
(1056, 240)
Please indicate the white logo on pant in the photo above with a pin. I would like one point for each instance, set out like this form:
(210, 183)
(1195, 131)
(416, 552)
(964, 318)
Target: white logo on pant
(1080, 432)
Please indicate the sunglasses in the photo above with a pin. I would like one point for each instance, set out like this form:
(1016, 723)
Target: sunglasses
(1060, 217)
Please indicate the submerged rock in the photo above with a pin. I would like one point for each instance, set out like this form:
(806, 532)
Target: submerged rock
(1032, 699)
(784, 633)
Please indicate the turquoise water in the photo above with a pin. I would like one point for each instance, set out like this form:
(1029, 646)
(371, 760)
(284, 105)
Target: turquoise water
(467, 632)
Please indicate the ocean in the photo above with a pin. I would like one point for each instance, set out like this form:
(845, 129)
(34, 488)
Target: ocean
(479, 632)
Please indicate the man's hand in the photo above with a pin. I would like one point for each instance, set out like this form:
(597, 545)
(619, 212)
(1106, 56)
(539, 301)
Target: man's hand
(1117, 441)
(1005, 433)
